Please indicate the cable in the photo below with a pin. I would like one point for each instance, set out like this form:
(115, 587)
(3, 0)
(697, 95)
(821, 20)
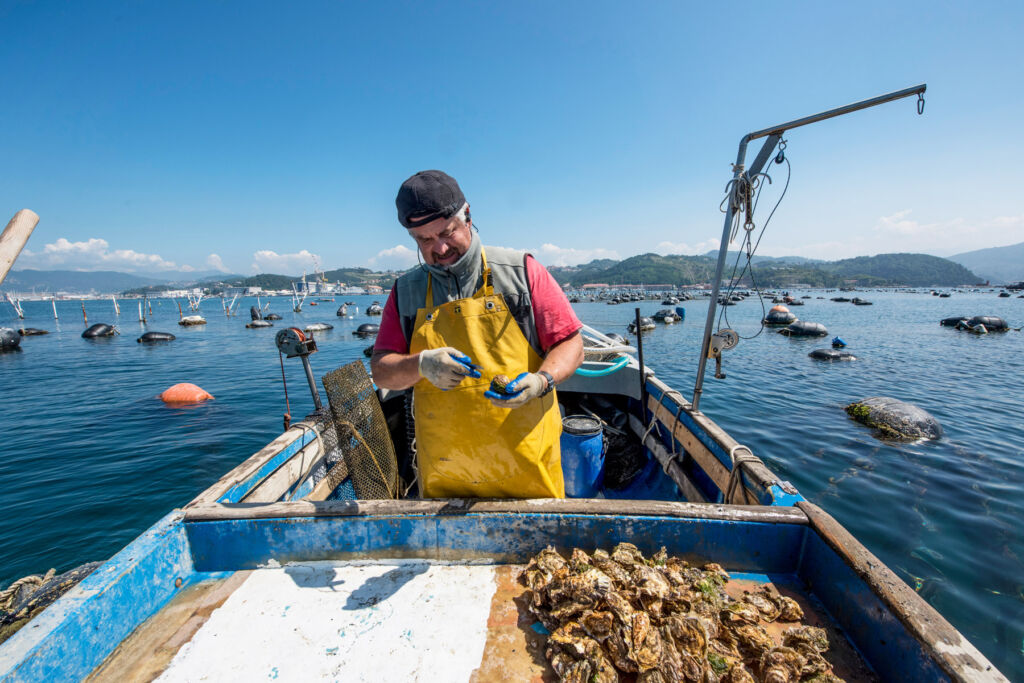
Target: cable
(752, 249)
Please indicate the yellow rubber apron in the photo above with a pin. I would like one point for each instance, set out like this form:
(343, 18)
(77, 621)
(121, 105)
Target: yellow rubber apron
(465, 446)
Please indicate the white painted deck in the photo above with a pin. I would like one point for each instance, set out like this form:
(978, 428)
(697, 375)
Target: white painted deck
(385, 621)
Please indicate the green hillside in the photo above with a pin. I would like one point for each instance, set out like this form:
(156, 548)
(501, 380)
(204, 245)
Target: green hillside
(915, 270)
(883, 270)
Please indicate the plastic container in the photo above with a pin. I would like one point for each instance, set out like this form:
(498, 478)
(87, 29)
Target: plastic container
(582, 456)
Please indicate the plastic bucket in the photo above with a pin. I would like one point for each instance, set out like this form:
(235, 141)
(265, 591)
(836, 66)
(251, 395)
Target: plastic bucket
(582, 445)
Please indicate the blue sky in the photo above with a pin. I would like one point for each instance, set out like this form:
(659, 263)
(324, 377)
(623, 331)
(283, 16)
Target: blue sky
(246, 136)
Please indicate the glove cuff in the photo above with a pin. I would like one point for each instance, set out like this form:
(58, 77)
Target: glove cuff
(550, 382)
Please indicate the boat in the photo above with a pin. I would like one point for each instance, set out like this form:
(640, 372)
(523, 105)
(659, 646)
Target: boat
(311, 559)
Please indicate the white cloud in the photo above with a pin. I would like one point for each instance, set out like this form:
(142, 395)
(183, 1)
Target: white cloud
(553, 255)
(398, 257)
(268, 261)
(686, 248)
(92, 254)
(214, 261)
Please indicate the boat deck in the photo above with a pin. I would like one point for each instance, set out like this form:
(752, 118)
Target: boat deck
(407, 620)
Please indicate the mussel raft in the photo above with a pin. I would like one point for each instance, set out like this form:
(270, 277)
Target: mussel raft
(620, 616)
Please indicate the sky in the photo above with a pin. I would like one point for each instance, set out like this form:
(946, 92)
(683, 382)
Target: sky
(245, 137)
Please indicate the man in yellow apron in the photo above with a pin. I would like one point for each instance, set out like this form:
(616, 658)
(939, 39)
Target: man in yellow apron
(466, 315)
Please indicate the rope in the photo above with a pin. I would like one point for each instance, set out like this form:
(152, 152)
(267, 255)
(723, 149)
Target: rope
(373, 457)
(735, 475)
(8, 595)
(287, 406)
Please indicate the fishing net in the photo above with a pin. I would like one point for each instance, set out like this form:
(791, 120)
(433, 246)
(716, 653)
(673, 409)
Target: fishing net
(362, 433)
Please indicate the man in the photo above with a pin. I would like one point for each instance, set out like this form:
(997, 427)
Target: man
(466, 315)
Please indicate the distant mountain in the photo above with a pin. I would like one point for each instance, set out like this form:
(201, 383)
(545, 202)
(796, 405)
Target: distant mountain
(884, 269)
(916, 270)
(998, 264)
(774, 260)
(78, 282)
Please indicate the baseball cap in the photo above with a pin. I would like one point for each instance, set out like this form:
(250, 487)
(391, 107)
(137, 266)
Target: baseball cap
(427, 196)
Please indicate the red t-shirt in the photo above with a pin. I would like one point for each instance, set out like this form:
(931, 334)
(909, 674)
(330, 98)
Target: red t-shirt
(552, 313)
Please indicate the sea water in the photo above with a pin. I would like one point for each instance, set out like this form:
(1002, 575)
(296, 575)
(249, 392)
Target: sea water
(91, 457)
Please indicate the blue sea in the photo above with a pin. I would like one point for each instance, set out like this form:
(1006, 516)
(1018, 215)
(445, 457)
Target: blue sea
(91, 457)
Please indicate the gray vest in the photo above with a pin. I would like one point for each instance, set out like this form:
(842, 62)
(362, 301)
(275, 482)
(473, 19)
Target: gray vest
(462, 279)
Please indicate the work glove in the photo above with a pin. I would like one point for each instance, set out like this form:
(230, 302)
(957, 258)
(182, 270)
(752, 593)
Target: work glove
(525, 387)
(446, 367)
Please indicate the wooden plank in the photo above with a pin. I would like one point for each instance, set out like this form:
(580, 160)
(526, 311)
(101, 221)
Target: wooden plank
(458, 506)
(702, 455)
(144, 654)
(250, 466)
(950, 650)
(335, 476)
(285, 476)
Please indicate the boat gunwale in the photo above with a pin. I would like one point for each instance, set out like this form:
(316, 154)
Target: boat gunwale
(951, 650)
(213, 511)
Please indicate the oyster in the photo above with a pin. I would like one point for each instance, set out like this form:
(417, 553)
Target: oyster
(741, 613)
(791, 610)
(810, 635)
(646, 642)
(766, 603)
(737, 674)
(651, 587)
(603, 561)
(753, 641)
(570, 638)
(619, 647)
(577, 672)
(598, 625)
(499, 384)
(713, 568)
(781, 665)
(627, 555)
(620, 607)
(689, 635)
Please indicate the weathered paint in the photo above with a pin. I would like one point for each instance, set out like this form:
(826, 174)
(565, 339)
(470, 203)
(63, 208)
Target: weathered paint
(772, 495)
(386, 621)
(249, 544)
(74, 634)
(878, 633)
(241, 489)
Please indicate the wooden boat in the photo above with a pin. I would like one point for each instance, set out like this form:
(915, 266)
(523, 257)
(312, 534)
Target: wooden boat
(270, 573)
(279, 571)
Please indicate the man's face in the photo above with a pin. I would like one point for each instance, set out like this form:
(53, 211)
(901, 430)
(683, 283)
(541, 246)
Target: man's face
(443, 241)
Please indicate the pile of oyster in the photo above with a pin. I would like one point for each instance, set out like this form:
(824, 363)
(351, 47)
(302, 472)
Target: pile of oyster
(620, 616)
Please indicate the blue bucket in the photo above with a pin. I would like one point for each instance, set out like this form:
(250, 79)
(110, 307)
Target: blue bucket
(582, 456)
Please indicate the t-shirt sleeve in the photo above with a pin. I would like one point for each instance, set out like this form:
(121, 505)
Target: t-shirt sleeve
(552, 311)
(390, 337)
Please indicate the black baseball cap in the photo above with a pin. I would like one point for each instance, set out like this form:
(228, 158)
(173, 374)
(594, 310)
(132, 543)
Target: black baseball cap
(427, 196)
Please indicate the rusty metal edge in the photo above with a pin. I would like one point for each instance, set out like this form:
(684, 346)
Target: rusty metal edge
(957, 657)
(211, 511)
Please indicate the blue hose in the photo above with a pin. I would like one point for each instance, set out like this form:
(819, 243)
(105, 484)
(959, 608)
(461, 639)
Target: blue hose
(615, 367)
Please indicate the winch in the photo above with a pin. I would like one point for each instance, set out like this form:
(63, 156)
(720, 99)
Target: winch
(293, 342)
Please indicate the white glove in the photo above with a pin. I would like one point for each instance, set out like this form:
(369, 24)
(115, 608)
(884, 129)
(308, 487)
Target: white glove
(446, 367)
(524, 388)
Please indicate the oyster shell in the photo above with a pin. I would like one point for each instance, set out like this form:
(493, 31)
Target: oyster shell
(646, 642)
(598, 625)
(810, 635)
(627, 555)
(781, 665)
(791, 610)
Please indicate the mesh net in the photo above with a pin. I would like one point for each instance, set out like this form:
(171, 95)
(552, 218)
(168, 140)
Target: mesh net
(362, 432)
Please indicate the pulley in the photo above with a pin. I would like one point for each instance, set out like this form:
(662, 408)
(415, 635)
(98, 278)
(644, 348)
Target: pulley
(292, 342)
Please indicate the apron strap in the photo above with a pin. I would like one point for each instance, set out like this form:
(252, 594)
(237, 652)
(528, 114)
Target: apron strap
(486, 290)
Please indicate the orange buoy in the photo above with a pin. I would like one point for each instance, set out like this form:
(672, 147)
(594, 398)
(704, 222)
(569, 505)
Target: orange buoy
(185, 393)
(780, 308)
